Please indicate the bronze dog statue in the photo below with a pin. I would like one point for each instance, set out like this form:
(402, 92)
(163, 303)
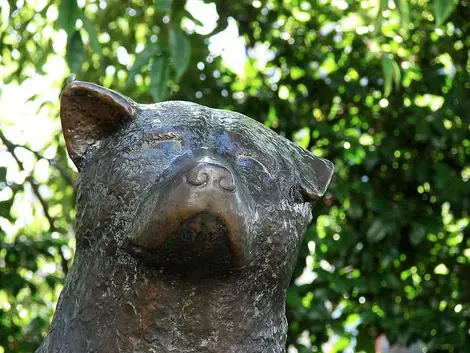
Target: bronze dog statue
(189, 220)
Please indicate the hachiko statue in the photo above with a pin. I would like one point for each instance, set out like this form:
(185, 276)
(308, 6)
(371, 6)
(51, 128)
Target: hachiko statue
(188, 224)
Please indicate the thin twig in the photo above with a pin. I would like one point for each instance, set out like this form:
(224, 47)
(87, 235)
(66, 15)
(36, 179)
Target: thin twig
(52, 162)
(11, 149)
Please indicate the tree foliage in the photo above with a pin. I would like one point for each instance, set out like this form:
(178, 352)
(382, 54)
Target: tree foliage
(380, 87)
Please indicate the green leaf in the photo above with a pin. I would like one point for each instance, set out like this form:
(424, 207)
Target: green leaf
(75, 52)
(5, 10)
(272, 120)
(396, 74)
(404, 10)
(3, 174)
(180, 50)
(293, 298)
(192, 18)
(90, 28)
(302, 137)
(341, 344)
(417, 233)
(392, 280)
(5, 207)
(441, 269)
(159, 78)
(383, 5)
(355, 211)
(377, 231)
(141, 59)
(68, 14)
(163, 5)
(443, 9)
(391, 72)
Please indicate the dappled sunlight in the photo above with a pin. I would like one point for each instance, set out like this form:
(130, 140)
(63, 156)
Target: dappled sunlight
(379, 87)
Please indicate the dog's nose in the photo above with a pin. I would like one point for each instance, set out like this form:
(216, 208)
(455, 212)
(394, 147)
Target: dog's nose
(212, 176)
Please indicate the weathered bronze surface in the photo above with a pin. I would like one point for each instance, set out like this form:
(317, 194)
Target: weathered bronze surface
(188, 224)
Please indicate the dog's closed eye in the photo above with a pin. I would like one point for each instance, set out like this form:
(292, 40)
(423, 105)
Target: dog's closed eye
(155, 138)
(161, 136)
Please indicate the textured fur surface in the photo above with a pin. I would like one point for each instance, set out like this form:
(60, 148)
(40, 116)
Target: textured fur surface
(189, 220)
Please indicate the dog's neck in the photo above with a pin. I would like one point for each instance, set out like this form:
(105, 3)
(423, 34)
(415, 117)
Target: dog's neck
(111, 304)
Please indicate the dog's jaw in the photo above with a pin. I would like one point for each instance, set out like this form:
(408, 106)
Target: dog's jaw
(127, 307)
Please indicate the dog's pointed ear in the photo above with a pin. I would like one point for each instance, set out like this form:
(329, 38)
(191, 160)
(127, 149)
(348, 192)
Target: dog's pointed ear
(89, 113)
(314, 174)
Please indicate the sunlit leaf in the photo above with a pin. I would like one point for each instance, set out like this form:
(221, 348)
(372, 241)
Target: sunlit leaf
(351, 22)
(441, 269)
(302, 137)
(180, 49)
(272, 121)
(4, 14)
(396, 74)
(301, 16)
(443, 9)
(341, 344)
(391, 72)
(283, 92)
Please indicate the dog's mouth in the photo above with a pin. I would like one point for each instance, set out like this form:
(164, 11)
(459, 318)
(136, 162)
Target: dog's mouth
(201, 245)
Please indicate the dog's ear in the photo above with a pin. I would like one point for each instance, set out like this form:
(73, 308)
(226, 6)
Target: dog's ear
(314, 174)
(89, 113)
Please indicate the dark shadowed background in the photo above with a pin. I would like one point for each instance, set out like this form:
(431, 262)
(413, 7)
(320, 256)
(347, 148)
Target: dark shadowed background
(379, 87)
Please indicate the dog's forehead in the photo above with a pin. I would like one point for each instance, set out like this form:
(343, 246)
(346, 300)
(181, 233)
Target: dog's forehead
(198, 119)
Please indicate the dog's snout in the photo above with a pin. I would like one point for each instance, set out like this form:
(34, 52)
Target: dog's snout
(210, 175)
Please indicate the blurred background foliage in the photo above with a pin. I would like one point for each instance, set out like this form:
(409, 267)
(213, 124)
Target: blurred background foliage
(380, 87)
